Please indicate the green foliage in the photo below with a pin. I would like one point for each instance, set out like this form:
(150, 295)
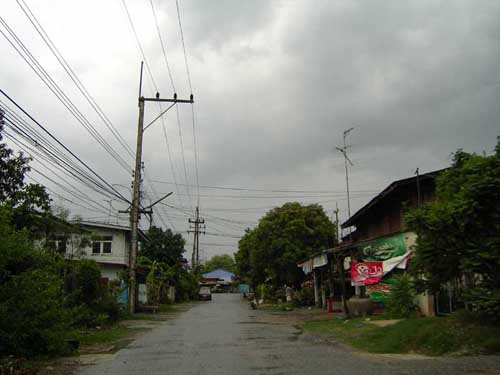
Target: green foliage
(430, 336)
(284, 236)
(163, 246)
(32, 317)
(93, 303)
(402, 303)
(186, 286)
(224, 261)
(12, 170)
(459, 232)
(303, 297)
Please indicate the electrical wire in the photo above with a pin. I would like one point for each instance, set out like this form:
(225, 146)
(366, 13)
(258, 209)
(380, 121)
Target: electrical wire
(111, 190)
(73, 76)
(47, 79)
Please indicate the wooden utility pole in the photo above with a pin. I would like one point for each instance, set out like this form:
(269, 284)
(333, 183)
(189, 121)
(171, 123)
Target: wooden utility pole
(136, 209)
(198, 225)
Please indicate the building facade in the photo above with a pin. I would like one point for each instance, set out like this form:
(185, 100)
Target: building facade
(107, 244)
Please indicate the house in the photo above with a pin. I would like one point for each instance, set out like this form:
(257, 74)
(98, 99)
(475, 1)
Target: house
(376, 245)
(217, 279)
(107, 244)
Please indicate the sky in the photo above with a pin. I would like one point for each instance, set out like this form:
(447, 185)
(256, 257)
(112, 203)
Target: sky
(275, 84)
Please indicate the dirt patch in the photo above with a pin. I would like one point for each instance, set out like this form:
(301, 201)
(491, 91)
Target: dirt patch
(383, 323)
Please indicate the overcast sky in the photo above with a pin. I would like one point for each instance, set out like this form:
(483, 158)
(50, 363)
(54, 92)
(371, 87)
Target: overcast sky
(275, 84)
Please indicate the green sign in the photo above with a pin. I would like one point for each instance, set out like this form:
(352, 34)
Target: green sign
(384, 248)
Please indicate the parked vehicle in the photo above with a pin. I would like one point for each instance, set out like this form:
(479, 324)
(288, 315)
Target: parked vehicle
(205, 294)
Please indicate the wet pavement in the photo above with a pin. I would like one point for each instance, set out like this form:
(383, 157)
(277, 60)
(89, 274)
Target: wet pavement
(225, 336)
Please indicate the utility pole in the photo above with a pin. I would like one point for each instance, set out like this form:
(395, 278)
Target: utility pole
(136, 209)
(337, 234)
(198, 225)
(343, 150)
(418, 187)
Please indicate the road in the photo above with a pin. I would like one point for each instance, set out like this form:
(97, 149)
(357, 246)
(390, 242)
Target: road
(225, 336)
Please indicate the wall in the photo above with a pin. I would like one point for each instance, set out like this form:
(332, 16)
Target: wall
(387, 215)
(119, 247)
(110, 271)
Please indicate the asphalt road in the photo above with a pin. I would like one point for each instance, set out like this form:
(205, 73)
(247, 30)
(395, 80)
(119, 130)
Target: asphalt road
(225, 336)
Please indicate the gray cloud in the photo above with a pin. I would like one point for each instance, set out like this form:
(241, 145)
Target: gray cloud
(275, 85)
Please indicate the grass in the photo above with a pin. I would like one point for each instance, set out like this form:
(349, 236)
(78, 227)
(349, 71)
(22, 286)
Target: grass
(430, 336)
(104, 335)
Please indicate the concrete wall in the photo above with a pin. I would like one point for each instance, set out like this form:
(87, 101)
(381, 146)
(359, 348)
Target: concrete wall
(111, 271)
(119, 247)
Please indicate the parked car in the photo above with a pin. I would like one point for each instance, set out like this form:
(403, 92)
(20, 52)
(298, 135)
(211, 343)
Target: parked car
(205, 294)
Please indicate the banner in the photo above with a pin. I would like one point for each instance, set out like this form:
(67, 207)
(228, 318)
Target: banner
(366, 273)
(320, 261)
(384, 248)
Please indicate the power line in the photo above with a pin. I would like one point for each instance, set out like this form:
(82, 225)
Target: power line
(49, 155)
(192, 105)
(60, 58)
(183, 46)
(79, 195)
(46, 78)
(150, 74)
(162, 46)
(269, 190)
(112, 190)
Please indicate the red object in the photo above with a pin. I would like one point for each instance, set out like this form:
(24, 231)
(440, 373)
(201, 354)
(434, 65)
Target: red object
(329, 304)
(366, 272)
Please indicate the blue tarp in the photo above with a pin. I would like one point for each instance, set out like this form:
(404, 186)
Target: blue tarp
(219, 274)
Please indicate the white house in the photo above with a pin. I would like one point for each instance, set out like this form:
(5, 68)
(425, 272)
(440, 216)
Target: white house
(107, 244)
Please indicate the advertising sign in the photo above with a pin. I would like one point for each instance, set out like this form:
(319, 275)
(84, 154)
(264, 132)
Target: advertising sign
(384, 248)
(366, 272)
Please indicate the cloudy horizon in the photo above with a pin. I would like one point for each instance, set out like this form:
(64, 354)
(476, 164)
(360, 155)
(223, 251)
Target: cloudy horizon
(275, 85)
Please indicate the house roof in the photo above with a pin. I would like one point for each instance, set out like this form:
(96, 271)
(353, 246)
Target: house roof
(387, 191)
(109, 226)
(219, 273)
(102, 225)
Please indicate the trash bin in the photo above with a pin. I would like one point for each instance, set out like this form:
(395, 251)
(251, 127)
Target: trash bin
(329, 304)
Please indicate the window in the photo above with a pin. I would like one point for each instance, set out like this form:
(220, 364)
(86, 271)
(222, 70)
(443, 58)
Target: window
(57, 243)
(102, 245)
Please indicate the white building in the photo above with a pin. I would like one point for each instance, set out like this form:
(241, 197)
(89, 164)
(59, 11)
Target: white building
(107, 244)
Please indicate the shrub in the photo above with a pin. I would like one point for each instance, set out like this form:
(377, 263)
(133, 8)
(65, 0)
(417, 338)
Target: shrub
(303, 297)
(33, 320)
(484, 301)
(186, 286)
(93, 303)
(402, 302)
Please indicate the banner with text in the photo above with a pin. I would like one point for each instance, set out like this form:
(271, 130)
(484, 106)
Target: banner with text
(366, 273)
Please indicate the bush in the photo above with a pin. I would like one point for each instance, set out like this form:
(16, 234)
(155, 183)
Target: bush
(402, 302)
(93, 303)
(186, 286)
(484, 301)
(33, 320)
(303, 297)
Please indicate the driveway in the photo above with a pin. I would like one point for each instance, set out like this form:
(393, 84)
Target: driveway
(225, 336)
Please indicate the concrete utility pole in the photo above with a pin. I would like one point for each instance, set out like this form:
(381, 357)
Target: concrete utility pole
(198, 225)
(136, 209)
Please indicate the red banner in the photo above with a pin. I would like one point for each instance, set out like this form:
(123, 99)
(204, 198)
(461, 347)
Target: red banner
(366, 272)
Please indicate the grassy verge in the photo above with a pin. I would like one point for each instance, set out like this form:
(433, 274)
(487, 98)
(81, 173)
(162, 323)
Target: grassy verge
(104, 335)
(430, 336)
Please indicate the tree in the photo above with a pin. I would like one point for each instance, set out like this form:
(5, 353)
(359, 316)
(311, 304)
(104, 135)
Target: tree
(30, 202)
(284, 236)
(224, 261)
(33, 319)
(459, 232)
(163, 246)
